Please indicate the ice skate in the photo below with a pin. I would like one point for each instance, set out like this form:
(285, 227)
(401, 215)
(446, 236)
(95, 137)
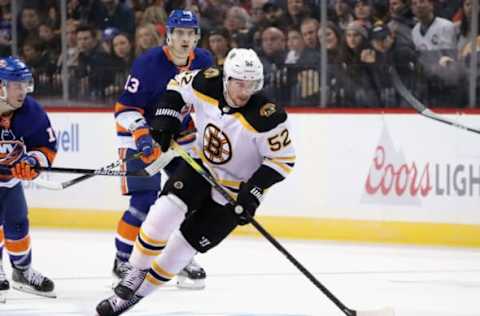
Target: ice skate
(121, 268)
(33, 282)
(192, 277)
(130, 284)
(114, 305)
(120, 271)
(4, 285)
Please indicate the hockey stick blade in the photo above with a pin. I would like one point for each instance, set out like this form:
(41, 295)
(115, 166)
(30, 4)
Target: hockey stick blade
(422, 109)
(50, 185)
(386, 311)
(231, 200)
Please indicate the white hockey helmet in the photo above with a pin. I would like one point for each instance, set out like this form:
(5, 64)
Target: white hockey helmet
(243, 64)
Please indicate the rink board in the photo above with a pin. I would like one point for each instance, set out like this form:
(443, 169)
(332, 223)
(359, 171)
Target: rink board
(363, 176)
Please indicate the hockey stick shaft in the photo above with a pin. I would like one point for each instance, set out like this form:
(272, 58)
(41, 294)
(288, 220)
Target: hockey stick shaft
(422, 109)
(231, 200)
(96, 172)
(84, 177)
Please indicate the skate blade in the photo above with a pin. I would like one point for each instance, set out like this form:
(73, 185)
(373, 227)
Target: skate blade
(185, 283)
(27, 289)
(3, 297)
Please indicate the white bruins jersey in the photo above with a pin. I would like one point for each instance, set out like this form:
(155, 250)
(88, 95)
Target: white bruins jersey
(234, 142)
(440, 35)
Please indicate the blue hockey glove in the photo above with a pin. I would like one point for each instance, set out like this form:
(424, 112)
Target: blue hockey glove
(144, 143)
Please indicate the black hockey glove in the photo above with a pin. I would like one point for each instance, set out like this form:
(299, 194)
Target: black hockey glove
(164, 127)
(248, 199)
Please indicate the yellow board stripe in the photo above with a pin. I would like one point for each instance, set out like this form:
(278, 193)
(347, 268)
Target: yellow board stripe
(416, 233)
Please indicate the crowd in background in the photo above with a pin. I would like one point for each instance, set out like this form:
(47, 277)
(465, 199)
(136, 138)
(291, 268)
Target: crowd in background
(364, 39)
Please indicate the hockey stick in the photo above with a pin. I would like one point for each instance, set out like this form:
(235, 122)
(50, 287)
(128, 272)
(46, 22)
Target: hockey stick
(238, 209)
(422, 109)
(63, 185)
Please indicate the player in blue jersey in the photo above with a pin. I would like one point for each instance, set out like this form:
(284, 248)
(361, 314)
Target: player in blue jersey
(134, 110)
(27, 141)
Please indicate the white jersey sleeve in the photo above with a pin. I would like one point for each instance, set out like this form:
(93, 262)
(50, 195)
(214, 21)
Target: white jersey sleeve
(277, 148)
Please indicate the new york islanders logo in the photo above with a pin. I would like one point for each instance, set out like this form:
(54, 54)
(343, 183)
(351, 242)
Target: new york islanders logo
(10, 152)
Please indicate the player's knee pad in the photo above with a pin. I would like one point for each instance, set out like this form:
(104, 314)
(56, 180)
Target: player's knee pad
(207, 227)
(164, 217)
(188, 185)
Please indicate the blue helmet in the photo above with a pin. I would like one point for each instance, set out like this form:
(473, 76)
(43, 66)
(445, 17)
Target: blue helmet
(13, 69)
(183, 19)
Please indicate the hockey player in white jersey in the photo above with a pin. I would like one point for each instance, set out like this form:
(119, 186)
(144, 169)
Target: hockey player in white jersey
(243, 140)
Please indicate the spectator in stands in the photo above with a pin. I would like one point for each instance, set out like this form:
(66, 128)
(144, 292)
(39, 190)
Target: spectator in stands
(155, 15)
(435, 39)
(258, 22)
(388, 53)
(29, 22)
(237, 22)
(401, 21)
(273, 55)
(431, 32)
(112, 13)
(309, 28)
(147, 37)
(447, 8)
(215, 10)
(92, 74)
(106, 39)
(219, 44)
(297, 10)
(256, 12)
(50, 41)
(363, 12)
(302, 65)
(72, 53)
(464, 25)
(5, 28)
(274, 15)
(122, 59)
(358, 86)
(295, 45)
(39, 63)
(334, 42)
(343, 13)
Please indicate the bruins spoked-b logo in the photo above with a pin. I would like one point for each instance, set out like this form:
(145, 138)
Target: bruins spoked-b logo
(216, 146)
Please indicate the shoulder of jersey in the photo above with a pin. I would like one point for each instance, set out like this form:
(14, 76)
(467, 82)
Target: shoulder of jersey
(31, 113)
(152, 57)
(209, 82)
(31, 106)
(263, 114)
(203, 54)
